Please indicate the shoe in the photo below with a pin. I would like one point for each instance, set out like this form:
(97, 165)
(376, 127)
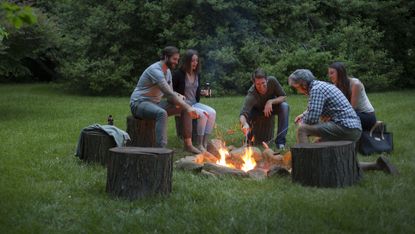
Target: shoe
(281, 147)
(386, 166)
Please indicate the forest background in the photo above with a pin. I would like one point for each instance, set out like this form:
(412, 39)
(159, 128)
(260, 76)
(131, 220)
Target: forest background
(101, 48)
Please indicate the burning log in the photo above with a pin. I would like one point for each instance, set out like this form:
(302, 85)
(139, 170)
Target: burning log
(214, 145)
(188, 164)
(326, 164)
(238, 153)
(223, 170)
(205, 156)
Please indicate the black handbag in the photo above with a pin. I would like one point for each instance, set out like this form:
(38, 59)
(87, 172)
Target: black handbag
(377, 140)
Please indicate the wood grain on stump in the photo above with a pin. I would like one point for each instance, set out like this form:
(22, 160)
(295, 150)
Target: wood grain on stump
(95, 147)
(326, 164)
(136, 172)
(142, 132)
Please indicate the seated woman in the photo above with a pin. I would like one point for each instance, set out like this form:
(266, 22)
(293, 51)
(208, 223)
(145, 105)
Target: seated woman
(186, 81)
(355, 92)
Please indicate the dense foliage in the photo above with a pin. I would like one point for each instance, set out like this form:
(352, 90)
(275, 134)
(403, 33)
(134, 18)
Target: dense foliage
(103, 47)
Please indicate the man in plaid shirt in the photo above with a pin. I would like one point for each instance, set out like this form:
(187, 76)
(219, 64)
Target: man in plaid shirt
(329, 114)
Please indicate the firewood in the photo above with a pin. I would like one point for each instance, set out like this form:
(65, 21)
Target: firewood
(222, 170)
(214, 145)
(258, 173)
(205, 156)
(188, 165)
(208, 174)
(277, 170)
(239, 153)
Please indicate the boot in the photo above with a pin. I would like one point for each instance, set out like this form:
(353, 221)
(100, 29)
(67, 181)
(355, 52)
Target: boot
(200, 145)
(188, 146)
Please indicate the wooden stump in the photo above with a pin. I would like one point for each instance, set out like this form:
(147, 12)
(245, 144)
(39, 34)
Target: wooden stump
(263, 129)
(95, 146)
(179, 128)
(136, 172)
(326, 164)
(142, 132)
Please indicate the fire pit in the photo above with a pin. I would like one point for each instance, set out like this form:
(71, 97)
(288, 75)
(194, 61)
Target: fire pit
(240, 162)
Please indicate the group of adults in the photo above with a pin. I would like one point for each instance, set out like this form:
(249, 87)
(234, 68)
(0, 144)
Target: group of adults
(338, 111)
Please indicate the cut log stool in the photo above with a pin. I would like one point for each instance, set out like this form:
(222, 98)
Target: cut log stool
(179, 128)
(263, 129)
(136, 172)
(142, 132)
(95, 146)
(326, 164)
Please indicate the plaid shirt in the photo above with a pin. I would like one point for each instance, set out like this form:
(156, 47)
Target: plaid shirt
(326, 100)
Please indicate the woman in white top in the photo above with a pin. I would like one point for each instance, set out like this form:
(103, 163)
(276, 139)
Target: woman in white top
(355, 92)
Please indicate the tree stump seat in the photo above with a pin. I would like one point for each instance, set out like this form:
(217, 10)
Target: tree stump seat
(262, 129)
(142, 132)
(95, 146)
(179, 128)
(136, 172)
(326, 164)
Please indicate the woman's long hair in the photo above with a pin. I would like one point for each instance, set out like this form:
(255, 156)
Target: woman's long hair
(187, 61)
(343, 82)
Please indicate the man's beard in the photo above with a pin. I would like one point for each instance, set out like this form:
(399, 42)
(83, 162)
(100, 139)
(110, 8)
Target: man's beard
(170, 65)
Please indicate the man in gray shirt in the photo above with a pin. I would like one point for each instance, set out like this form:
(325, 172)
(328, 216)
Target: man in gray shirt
(154, 84)
(265, 98)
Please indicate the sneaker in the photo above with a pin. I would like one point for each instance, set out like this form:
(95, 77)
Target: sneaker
(281, 147)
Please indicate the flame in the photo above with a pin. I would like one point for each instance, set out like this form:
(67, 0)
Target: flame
(249, 162)
(222, 161)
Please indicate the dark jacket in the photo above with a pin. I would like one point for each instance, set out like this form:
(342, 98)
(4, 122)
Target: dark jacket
(179, 83)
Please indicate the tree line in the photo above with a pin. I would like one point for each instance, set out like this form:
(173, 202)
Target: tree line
(101, 48)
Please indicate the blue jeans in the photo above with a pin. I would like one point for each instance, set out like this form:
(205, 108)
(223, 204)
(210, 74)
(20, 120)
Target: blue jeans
(160, 112)
(282, 110)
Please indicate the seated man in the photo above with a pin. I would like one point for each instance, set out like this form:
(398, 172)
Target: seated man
(146, 100)
(340, 122)
(325, 102)
(265, 98)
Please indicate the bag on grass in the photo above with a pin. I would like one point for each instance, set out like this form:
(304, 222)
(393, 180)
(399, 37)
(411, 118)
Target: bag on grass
(377, 140)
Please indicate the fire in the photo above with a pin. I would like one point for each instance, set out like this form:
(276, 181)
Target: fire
(249, 161)
(222, 161)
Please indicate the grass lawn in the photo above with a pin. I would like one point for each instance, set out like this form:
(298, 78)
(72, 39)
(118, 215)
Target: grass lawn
(45, 189)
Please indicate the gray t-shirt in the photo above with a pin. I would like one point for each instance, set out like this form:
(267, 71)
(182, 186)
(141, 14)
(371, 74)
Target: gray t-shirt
(148, 86)
(254, 100)
(190, 90)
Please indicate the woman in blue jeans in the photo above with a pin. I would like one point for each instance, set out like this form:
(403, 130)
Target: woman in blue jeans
(354, 90)
(186, 81)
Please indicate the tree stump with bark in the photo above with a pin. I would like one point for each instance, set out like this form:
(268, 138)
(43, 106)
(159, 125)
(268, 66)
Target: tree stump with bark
(179, 128)
(95, 147)
(142, 132)
(263, 129)
(136, 172)
(326, 164)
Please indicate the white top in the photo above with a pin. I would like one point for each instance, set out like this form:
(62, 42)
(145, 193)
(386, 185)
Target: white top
(362, 103)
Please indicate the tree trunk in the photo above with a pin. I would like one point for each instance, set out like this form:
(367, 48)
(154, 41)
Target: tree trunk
(135, 172)
(263, 129)
(326, 164)
(142, 132)
(95, 147)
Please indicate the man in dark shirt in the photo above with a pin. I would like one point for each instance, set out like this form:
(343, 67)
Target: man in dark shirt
(265, 98)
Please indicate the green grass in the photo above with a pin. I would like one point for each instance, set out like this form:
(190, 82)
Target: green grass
(45, 189)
